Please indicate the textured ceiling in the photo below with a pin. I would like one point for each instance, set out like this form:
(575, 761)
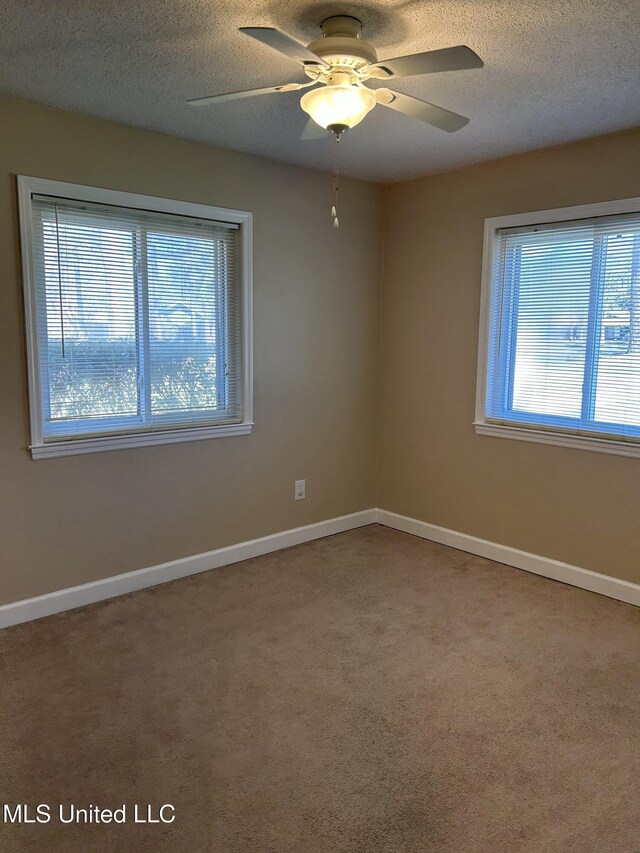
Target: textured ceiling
(556, 70)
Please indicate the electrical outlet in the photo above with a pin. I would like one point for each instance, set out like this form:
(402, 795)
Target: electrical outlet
(300, 490)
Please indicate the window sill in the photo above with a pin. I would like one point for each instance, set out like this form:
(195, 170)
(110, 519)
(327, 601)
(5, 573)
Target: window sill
(579, 442)
(121, 442)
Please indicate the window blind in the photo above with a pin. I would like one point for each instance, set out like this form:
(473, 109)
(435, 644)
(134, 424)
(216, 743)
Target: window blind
(564, 329)
(138, 318)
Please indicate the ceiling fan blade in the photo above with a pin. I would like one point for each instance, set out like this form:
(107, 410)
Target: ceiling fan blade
(313, 131)
(246, 93)
(283, 44)
(448, 59)
(429, 113)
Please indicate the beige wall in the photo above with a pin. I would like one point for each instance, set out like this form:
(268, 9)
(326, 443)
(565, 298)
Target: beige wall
(71, 520)
(573, 505)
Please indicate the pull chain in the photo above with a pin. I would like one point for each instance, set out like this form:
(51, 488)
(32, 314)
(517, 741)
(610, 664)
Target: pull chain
(55, 208)
(334, 209)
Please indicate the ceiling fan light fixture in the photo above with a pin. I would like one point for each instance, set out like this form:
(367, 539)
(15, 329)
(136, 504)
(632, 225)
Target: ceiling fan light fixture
(344, 105)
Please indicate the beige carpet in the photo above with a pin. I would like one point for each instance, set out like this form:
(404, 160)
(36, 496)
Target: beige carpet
(367, 692)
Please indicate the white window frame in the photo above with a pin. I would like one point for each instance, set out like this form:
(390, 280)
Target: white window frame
(617, 446)
(29, 186)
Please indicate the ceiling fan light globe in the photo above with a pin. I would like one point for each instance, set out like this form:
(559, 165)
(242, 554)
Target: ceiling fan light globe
(338, 105)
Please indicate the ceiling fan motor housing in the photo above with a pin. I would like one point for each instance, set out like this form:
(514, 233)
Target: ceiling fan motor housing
(341, 45)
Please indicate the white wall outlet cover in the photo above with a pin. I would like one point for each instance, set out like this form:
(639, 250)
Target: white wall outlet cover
(300, 490)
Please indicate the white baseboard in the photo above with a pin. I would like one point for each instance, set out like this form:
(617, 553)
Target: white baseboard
(548, 568)
(89, 593)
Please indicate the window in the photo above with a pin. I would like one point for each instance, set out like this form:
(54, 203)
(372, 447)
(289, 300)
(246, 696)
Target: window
(138, 316)
(559, 357)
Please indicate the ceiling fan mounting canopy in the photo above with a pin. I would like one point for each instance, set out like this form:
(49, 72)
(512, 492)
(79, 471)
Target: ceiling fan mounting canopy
(345, 26)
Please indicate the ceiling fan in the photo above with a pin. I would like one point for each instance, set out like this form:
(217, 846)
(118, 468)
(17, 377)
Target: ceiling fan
(340, 63)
